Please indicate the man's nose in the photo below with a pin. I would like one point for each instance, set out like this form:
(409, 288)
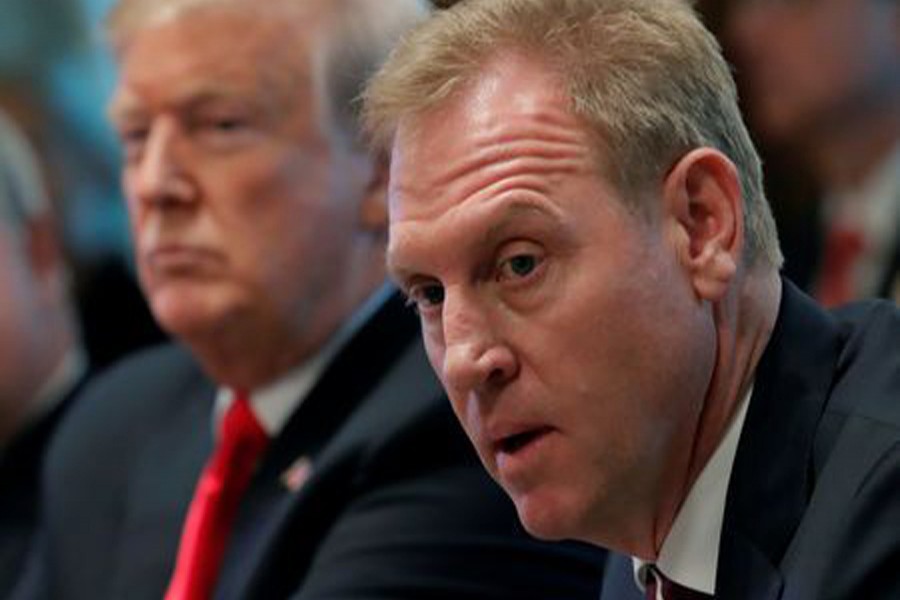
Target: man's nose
(161, 175)
(476, 358)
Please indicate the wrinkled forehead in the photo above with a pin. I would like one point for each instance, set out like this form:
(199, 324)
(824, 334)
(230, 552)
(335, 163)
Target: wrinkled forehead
(282, 28)
(513, 116)
(207, 53)
(127, 16)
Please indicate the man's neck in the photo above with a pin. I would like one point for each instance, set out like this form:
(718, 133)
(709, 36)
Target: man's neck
(744, 323)
(248, 355)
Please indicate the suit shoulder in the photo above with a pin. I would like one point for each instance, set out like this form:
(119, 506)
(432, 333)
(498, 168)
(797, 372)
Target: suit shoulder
(403, 401)
(873, 323)
(124, 401)
(158, 372)
(867, 382)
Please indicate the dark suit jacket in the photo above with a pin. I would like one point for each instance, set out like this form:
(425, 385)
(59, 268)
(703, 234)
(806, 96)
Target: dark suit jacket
(813, 506)
(20, 473)
(396, 505)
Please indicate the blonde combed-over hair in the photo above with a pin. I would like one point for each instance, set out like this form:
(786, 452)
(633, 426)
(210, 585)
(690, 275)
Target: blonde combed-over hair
(645, 76)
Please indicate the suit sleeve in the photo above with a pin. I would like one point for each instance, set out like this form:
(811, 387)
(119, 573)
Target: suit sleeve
(31, 585)
(866, 562)
(428, 523)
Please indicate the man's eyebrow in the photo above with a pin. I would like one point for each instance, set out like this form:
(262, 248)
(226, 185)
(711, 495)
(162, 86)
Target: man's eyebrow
(399, 274)
(122, 109)
(125, 107)
(516, 211)
(510, 213)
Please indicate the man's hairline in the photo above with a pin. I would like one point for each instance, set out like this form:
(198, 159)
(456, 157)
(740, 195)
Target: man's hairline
(604, 165)
(314, 47)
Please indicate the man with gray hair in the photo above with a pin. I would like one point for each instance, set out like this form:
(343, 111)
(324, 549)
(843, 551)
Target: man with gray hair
(294, 443)
(41, 359)
(611, 325)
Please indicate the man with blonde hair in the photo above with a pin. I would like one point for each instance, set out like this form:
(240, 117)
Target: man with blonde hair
(611, 325)
(294, 443)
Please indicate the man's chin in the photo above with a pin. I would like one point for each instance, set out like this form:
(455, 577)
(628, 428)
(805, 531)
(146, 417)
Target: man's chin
(186, 315)
(544, 517)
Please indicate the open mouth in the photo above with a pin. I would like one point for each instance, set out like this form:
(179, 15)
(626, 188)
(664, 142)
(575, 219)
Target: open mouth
(514, 443)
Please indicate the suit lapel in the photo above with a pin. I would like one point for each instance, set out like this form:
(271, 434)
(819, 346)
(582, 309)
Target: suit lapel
(772, 478)
(267, 516)
(343, 385)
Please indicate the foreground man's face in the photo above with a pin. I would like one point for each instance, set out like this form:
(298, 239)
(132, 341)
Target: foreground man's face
(554, 317)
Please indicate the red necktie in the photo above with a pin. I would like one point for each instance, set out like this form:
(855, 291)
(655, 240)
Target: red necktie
(670, 589)
(843, 248)
(214, 506)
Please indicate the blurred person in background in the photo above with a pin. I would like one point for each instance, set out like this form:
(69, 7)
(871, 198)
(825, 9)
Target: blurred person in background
(822, 80)
(294, 441)
(54, 76)
(41, 359)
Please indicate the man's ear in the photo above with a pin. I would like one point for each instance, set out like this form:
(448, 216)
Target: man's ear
(373, 209)
(702, 200)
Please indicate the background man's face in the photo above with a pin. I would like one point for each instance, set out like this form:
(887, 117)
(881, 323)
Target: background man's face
(559, 322)
(239, 205)
(807, 62)
(20, 310)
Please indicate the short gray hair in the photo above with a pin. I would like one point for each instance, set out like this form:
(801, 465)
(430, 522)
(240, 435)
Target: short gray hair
(646, 77)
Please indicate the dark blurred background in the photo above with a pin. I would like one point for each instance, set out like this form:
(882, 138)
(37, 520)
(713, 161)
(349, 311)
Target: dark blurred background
(790, 186)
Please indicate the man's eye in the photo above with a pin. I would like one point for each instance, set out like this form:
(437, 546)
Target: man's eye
(132, 140)
(426, 296)
(221, 125)
(431, 295)
(226, 124)
(518, 266)
(134, 134)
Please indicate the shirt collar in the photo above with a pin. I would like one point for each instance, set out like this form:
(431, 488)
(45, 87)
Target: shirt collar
(690, 553)
(274, 403)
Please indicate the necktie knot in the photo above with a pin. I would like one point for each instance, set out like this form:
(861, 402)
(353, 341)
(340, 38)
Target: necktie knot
(227, 474)
(242, 439)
